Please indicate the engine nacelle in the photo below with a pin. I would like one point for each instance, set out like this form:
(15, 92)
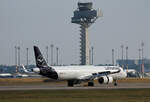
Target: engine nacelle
(105, 80)
(36, 70)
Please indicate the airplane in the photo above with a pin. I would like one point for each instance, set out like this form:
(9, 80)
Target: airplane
(6, 75)
(132, 73)
(19, 75)
(29, 73)
(77, 74)
(25, 70)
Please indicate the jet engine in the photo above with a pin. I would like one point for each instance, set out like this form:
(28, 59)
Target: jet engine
(105, 80)
(36, 70)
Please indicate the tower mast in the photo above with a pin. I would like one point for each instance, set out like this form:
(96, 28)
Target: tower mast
(85, 15)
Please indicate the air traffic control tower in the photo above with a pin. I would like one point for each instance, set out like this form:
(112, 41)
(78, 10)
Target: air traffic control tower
(85, 15)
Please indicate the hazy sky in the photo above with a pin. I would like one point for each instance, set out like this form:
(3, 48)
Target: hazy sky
(42, 22)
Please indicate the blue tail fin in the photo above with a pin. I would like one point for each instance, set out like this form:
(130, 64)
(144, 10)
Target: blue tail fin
(40, 61)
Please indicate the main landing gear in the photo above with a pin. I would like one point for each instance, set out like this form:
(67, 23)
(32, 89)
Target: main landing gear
(115, 83)
(90, 83)
(70, 83)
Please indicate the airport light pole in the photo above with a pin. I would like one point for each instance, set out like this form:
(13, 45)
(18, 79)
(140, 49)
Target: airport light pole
(18, 59)
(113, 57)
(47, 54)
(127, 58)
(140, 63)
(122, 55)
(142, 45)
(27, 49)
(92, 55)
(57, 49)
(139, 54)
(16, 56)
(90, 62)
(52, 46)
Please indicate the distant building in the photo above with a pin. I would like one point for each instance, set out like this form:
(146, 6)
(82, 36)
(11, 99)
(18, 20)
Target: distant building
(134, 64)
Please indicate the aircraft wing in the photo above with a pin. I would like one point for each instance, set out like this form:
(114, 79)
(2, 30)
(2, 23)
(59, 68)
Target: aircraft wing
(94, 76)
(86, 77)
(106, 73)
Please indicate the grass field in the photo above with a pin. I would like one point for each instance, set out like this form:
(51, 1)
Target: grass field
(119, 95)
(37, 80)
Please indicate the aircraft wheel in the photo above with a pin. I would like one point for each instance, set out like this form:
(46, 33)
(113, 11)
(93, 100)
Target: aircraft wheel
(70, 83)
(115, 84)
(90, 83)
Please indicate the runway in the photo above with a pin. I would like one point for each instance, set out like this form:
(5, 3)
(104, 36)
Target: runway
(64, 87)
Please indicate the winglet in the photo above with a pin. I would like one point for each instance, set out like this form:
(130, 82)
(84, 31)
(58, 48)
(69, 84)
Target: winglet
(25, 70)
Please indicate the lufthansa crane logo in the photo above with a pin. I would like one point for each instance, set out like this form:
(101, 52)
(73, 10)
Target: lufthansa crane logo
(40, 60)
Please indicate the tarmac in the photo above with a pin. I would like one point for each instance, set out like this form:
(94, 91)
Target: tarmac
(64, 87)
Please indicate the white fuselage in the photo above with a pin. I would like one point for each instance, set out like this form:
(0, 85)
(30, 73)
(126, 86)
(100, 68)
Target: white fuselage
(80, 72)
